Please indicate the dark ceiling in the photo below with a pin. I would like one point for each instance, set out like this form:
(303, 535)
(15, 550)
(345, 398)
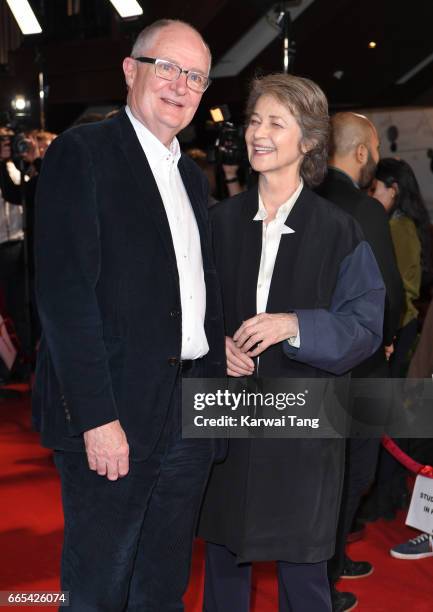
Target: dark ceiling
(81, 53)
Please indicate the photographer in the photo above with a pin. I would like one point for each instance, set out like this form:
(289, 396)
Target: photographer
(12, 232)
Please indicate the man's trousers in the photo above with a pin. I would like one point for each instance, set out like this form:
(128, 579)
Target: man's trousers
(127, 543)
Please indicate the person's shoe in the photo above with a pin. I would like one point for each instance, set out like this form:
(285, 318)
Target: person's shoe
(356, 569)
(416, 548)
(343, 601)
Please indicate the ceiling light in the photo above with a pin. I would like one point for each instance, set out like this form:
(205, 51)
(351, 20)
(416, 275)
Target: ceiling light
(372, 44)
(24, 16)
(127, 8)
(20, 106)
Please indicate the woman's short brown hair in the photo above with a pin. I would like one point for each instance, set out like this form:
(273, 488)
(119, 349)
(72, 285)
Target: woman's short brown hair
(308, 104)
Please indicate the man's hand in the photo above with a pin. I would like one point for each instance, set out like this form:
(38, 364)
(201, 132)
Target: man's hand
(258, 333)
(107, 450)
(238, 364)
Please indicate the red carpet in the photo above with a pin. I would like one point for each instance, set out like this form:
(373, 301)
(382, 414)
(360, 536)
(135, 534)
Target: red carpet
(31, 535)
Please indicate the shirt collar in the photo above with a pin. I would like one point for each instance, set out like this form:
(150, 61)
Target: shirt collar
(284, 210)
(158, 155)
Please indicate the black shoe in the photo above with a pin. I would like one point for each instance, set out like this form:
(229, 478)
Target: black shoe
(356, 569)
(343, 602)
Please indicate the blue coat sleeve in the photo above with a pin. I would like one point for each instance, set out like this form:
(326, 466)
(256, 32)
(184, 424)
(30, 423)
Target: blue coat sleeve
(341, 337)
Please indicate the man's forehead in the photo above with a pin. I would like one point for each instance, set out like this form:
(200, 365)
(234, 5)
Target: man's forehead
(180, 43)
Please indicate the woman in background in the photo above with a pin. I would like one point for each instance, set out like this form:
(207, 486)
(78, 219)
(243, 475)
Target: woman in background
(398, 191)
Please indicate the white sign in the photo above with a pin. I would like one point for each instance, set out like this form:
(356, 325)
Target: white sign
(420, 513)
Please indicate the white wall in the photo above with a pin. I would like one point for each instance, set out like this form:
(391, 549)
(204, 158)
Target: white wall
(415, 127)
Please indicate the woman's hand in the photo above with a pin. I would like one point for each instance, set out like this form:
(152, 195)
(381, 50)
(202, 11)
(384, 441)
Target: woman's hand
(238, 364)
(258, 333)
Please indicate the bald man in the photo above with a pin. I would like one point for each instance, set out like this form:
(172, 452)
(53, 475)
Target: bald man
(354, 154)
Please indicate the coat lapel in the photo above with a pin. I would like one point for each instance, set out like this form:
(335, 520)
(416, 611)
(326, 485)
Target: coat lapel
(281, 298)
(250, 235)
(150, 200)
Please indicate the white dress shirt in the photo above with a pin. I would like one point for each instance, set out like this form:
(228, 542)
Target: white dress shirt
(271, 238)
(185, 235)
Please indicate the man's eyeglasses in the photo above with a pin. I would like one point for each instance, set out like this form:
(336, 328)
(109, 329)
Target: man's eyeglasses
(171, 72)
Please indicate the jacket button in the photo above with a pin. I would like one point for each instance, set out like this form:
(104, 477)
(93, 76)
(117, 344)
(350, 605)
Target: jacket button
(174, 313)
(173, 361)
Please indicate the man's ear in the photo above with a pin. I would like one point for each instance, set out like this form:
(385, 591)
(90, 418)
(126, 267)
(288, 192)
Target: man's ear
(129, 70)
(361, 154)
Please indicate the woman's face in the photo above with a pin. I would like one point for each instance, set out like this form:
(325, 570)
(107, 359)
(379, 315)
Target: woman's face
(273, 137)
(384, 194)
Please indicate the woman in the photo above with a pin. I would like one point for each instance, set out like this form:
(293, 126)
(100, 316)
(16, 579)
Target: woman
(398, 191)
(303, 297)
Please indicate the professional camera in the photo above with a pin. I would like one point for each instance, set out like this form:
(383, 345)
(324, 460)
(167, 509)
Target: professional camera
(229, 147)
(20, 144)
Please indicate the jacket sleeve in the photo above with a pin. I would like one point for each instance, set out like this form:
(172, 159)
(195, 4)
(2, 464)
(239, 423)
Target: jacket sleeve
(375, 225)
(408, 254)
(339, 338)
(67, 254)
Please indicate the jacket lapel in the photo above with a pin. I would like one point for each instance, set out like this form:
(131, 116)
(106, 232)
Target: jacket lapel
(281, 298)
(250, 234)
(149, 200)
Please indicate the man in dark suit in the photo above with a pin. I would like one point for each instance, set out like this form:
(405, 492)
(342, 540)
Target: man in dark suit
(129, 304)
(354, 153)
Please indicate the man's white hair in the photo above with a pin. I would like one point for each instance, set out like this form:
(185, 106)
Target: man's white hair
(147, 36)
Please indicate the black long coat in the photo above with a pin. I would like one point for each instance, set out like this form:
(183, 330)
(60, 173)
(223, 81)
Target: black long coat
(279, 499)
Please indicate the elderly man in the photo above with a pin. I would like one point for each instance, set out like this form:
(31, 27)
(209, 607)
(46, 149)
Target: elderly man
(129, 304)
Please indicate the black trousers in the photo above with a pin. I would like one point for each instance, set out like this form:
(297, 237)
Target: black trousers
(127, 544)
(361, 462)
(404, 343)
(302, 587)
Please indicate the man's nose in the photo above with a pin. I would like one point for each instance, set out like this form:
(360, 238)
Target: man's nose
(179, 85)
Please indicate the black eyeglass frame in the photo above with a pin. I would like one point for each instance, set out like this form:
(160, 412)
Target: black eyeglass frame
(155, 60)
